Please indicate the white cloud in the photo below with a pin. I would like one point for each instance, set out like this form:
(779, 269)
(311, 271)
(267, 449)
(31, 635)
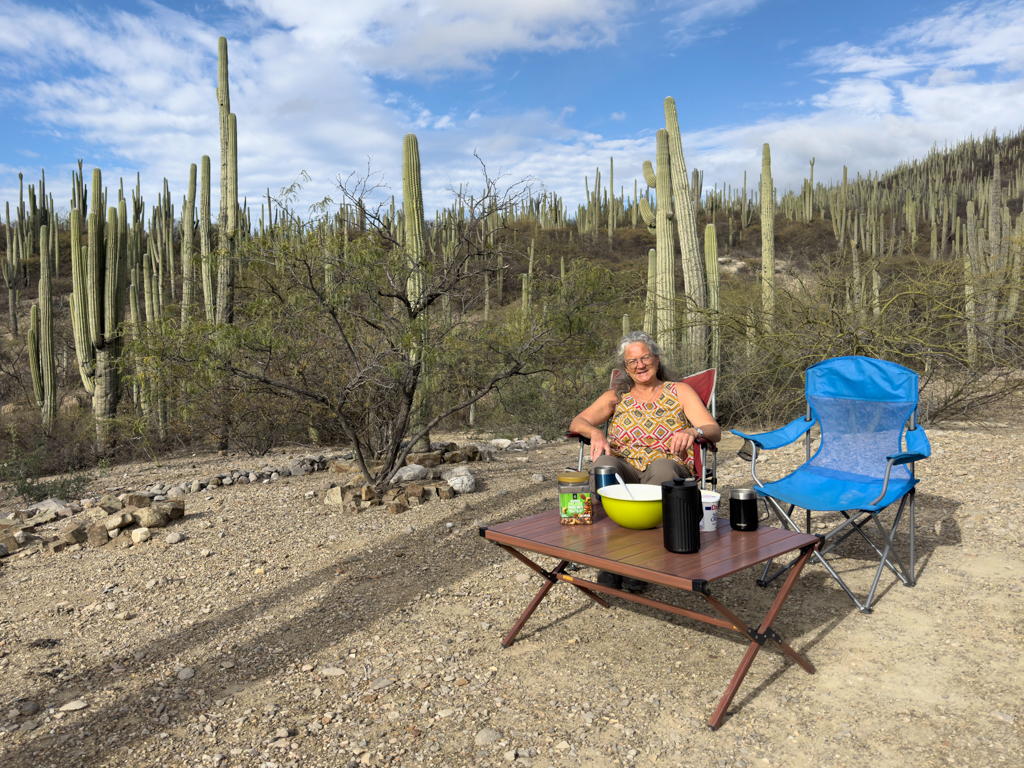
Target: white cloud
(695, 18)
(618, 115)
(136, 93)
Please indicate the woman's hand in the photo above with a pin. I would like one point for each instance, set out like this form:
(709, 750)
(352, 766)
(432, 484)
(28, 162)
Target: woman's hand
(599, 446)
(680, 441)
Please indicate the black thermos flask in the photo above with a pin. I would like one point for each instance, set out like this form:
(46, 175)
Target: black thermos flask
(682, 511)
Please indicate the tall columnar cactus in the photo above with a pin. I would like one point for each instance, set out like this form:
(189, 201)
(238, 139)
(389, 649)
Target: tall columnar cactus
(40, 338)
(714, 303)
(10, 273)
(99, 278)
(206, 256)
(415, 240)
(767, 241)
(651, 302)
(415, 250)
(661, 222)
(228, 232)
(689, 246)
(188, 218)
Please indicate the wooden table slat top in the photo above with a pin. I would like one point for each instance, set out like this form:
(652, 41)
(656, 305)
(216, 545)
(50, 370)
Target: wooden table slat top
(641, 554)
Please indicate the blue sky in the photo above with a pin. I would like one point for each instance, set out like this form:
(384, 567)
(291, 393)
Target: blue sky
(540, 89)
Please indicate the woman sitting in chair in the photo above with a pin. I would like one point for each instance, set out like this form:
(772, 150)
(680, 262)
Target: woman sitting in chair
(651, 435)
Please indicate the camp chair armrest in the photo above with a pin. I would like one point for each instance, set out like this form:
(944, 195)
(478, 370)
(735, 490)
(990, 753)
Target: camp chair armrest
(790, 433)
(905, 458)
(578, 436)
(713, 447)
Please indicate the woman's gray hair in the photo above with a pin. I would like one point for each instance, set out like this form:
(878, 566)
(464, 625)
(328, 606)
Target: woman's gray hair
(622, 382)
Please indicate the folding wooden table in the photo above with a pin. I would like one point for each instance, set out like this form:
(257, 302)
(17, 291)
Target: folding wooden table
(642, 555)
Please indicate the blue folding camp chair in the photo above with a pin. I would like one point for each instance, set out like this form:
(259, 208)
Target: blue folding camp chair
(862, 406)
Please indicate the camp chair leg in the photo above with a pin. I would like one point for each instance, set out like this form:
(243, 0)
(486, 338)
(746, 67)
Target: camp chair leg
(912, 578)
(787, 521)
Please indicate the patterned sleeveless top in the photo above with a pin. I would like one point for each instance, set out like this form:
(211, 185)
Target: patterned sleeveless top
(639, 432)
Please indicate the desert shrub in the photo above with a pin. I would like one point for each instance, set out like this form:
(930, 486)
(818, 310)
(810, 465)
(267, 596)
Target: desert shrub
(36, 465)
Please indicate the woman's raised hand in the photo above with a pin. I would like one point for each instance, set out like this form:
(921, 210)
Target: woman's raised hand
(599, 446)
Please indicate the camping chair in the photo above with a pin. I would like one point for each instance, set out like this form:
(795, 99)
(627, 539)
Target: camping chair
(862, 406)
(703, 384)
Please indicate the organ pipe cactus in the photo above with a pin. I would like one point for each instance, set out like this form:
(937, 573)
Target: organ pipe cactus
(99, 278)
(767, 241)
(686, 225)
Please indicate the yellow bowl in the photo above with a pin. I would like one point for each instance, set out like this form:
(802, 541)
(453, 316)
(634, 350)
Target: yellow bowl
(641, 512)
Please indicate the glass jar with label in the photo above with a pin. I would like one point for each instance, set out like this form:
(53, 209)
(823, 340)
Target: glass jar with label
(574, 498)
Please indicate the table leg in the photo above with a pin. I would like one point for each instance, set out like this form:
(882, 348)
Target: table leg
(764, 632)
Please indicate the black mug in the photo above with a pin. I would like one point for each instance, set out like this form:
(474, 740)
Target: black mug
(682, 510)
(743, 509)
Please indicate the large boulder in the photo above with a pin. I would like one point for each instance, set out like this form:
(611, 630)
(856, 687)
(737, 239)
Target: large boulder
(462, 483)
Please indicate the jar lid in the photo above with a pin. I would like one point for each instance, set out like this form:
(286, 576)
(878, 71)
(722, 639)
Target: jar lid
(742, 494)
(569, 476)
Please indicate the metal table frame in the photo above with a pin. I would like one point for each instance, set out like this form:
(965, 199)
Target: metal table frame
(641, 555)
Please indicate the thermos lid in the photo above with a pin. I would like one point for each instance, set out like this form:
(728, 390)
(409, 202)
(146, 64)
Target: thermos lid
(742, 494)
(573, 478)
(604, 470)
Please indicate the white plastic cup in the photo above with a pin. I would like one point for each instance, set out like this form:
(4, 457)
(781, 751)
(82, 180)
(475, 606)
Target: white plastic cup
(710, 499)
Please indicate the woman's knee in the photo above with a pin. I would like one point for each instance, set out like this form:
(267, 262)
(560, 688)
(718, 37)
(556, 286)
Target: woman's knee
(663, 470)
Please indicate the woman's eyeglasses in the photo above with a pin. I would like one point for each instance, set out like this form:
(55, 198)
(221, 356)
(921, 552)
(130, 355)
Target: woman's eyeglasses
(646, 360)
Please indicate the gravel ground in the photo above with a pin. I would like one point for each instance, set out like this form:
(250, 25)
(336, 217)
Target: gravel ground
(305, 637)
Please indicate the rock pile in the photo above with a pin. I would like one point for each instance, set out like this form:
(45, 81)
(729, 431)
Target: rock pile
(129, 517)
(134, 514)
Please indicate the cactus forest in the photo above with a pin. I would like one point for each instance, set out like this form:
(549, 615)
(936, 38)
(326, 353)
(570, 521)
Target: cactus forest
(139, 325)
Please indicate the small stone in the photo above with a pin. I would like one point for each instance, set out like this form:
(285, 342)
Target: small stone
(381, 683)
(523, 578)
(74, 706)
(500, 444)
(205, 553)
(174, 538)
(486, 736)
(28, 708)
(562, 746)
(29, 725)
(332, 672)
(537, 477)
(140, 535)
(186, 673)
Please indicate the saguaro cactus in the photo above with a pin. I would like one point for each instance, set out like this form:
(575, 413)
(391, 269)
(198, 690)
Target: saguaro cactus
(686, 225)
(767, 241)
